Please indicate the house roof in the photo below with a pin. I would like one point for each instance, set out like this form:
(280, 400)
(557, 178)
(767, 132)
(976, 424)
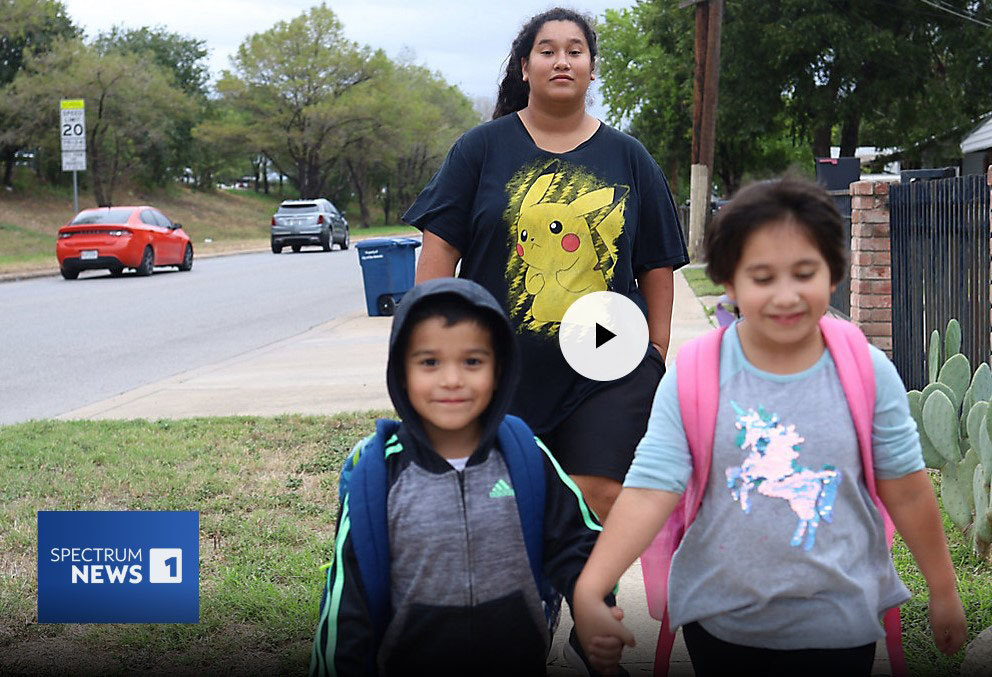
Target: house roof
(980, 138)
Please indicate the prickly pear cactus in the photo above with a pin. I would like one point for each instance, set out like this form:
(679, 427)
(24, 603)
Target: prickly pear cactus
(940, 422)
(953, 415)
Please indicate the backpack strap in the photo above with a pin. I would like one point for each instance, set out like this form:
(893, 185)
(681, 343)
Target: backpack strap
(525, 462)
(849, 349)
(369, 530)
(698, 373)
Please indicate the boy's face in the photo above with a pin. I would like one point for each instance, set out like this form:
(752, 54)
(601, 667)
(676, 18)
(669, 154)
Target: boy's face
(450, 374)
(781, 285)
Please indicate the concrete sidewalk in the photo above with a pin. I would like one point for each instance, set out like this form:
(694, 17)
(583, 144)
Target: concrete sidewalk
(340, 366)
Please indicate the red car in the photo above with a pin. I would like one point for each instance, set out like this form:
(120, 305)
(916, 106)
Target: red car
(116, 238)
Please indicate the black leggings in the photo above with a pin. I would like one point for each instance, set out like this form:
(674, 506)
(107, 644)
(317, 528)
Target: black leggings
(714, 657)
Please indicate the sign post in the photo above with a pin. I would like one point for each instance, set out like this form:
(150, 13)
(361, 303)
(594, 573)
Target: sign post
(72, 132)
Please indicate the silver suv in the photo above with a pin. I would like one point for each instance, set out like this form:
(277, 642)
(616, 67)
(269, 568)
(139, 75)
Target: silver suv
(300, 223)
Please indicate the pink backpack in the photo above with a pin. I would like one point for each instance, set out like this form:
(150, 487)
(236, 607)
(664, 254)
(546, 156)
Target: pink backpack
(698, 365)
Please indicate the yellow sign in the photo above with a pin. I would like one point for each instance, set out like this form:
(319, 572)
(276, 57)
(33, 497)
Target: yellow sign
(71, 104)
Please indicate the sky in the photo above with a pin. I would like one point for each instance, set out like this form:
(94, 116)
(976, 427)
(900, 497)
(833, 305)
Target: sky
(467, 41)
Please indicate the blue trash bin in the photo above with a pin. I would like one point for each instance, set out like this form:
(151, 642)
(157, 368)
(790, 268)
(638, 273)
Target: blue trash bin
(387, 270)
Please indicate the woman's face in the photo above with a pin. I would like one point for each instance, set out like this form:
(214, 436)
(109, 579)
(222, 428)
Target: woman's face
(559, 67)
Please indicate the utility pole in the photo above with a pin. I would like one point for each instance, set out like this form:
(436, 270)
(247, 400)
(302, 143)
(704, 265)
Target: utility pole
(705, 90)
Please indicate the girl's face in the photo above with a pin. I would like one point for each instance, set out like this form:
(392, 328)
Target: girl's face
(781, 286)
(559, 68)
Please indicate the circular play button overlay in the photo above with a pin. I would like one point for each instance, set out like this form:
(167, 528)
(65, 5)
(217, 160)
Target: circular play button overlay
(603, 336)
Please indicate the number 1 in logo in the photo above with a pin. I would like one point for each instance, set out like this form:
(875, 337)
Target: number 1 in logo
(165, 565)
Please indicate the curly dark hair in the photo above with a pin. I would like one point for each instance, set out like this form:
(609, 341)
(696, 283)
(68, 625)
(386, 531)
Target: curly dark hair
(513, 91)
(798, 200)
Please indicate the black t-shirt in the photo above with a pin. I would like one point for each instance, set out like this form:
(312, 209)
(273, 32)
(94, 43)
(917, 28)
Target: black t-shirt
(541, 229)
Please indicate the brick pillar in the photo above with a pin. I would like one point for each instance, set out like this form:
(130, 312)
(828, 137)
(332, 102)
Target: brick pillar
(871, 262)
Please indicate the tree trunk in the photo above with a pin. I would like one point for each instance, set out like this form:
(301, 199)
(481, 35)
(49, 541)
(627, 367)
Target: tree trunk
(357, 175)
(821, 141)
(265, 175)
(387, 204)
(849, 135)
(9, 155)
(96, 170)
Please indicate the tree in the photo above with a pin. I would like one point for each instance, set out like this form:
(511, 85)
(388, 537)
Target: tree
(26, 27)
(220, 149)
(185, 59)
(130, 106)
(800, 75)
(180, 55)
(294, 80)
(413, 116)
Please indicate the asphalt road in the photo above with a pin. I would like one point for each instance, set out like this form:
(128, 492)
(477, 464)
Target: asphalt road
(65, 344)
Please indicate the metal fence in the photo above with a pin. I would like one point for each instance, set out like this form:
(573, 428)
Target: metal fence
(939, 234)
(841, 298)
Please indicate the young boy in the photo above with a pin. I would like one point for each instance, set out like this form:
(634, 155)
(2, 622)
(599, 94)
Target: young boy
(473, 516)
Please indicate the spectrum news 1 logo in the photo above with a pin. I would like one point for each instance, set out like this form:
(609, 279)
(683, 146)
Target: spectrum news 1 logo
(118, 567)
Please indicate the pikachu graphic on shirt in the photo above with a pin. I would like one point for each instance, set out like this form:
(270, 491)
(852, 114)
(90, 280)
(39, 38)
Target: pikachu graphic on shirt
(564, 236)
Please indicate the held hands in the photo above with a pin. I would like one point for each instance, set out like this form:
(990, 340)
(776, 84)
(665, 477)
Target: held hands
(947, 622)
(601, 634)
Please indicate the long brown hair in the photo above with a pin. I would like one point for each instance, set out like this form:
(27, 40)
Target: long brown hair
(513, 91)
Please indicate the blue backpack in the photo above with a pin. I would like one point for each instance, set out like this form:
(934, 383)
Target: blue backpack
(363, 485)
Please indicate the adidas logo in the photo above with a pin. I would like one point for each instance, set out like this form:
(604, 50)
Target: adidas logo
(501, 489)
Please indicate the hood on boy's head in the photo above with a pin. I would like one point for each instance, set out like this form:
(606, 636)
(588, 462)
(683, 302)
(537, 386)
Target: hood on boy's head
(504, 345)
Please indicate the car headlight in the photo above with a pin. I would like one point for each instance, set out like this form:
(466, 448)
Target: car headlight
(63, 236)
(119, 233)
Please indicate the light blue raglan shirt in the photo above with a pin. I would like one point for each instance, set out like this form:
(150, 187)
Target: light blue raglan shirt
(787, 550)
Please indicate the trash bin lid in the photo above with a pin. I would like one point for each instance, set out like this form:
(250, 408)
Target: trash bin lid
(387, 242)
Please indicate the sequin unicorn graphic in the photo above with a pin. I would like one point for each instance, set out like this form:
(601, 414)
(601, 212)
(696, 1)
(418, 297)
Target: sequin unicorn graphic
(772, 468)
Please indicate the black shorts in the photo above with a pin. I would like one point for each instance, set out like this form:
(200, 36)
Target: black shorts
(714, 657)
(600, 436)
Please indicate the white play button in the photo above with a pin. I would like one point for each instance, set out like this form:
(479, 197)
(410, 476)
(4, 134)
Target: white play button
(603, 336)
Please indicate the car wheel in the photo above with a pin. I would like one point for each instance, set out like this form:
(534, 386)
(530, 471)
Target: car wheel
(297, 248)
(147, 263)
(69, 274)
(276, 248)
(187, 263)
(346, 240)
(387, 306)
(325, 241)
(116, 271)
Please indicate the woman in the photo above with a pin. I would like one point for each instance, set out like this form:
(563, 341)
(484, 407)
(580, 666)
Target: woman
(542, 205)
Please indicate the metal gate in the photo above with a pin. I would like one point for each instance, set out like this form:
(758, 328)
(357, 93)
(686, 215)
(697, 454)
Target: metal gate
(939, 234)
(841, 298)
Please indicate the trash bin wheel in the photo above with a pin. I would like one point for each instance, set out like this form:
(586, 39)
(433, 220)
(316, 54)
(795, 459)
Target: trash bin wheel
(387, 306)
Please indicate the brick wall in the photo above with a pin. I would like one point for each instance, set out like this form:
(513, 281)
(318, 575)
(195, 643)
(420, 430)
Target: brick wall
(871, 262)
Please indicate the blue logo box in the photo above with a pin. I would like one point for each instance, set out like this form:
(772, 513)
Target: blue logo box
(118, 567)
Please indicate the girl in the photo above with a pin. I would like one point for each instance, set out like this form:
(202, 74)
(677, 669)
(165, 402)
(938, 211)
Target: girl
(770, 578)
(543, 205)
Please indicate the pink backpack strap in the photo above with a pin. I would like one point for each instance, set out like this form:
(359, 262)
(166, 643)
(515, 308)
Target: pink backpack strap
(698, 372)
(849, 349)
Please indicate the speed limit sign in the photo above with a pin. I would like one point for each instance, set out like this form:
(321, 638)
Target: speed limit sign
(72, 133)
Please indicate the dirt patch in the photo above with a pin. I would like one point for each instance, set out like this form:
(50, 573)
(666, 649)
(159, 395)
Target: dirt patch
(56, 656)
(232, 654)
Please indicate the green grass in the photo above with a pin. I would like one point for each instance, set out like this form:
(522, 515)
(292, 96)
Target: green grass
(700, 284)
(21, 243)
(266, 492)
(32, 213)
(383, 231)
(974, 585)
